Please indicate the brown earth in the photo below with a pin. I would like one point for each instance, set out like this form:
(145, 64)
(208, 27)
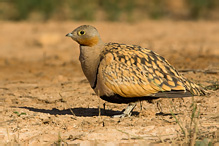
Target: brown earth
(45, 98)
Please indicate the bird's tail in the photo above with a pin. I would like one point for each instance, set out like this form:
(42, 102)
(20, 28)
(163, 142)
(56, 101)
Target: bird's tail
(195, 89)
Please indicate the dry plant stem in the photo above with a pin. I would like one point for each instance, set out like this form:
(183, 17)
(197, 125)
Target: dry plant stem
(68, 106)
(72, 112)
(193, 137)
(193, 126)
(195, 121)
(177, 121)
(194, 106)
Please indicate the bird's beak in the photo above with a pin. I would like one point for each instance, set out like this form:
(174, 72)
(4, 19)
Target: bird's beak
(69, 35)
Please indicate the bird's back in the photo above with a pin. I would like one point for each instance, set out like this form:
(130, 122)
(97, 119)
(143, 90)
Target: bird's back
(131, 71)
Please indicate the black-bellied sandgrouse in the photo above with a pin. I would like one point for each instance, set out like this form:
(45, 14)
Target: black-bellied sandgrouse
(121, 73)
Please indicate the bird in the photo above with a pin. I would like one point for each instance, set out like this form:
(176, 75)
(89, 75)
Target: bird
(121, 73)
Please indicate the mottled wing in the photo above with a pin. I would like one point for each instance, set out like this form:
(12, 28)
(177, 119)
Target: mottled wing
(132, 71)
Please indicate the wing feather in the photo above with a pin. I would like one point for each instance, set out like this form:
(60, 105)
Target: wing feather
(138, 72)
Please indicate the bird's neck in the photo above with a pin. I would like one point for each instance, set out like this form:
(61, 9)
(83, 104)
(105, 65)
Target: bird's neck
(90, 58)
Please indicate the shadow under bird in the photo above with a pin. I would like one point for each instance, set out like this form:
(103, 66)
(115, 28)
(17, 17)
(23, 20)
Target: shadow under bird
(121, 73)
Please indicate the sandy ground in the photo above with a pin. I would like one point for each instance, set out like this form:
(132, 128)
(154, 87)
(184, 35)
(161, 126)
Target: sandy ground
(45, 98)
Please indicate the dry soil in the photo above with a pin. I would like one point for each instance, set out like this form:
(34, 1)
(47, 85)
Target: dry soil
(45, 98)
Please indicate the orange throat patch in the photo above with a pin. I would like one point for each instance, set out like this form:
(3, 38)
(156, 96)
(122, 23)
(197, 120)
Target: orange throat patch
(89, 42)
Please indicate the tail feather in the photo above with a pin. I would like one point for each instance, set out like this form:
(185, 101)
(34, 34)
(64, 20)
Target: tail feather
(195, 89)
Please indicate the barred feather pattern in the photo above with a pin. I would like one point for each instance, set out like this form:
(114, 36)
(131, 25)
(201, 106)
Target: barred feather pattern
(132, 71)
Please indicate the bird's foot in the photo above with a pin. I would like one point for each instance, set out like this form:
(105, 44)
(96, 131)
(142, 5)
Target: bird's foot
(127, 112)
(121, 115)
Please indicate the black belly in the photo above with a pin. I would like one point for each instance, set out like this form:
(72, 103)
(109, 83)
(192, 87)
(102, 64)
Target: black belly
(119, 99)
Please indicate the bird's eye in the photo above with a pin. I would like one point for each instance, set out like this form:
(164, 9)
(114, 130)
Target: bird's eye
(82, 32)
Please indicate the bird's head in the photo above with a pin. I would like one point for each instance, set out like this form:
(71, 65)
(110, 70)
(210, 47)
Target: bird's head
(85, 35)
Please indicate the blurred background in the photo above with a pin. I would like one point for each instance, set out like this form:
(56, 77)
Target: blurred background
(108, 10)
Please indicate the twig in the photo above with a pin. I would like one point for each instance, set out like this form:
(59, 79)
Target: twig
(177, 120)
(68, 106)
(72, 112)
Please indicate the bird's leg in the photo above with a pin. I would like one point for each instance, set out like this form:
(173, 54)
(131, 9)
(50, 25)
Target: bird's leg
(127, 112)
(104, 107)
